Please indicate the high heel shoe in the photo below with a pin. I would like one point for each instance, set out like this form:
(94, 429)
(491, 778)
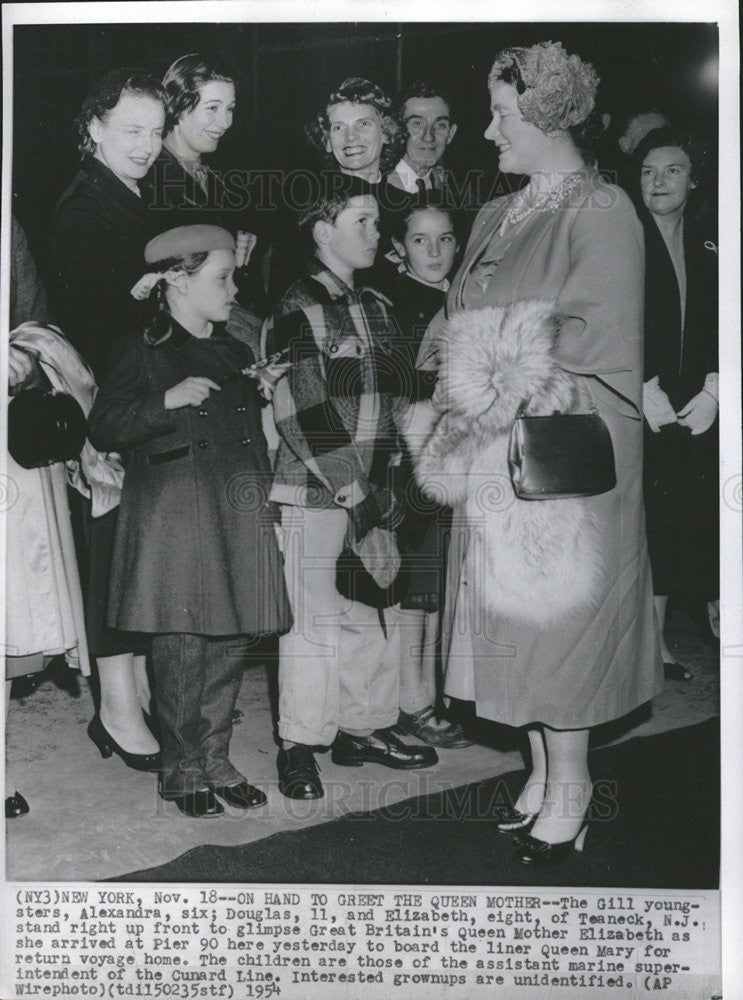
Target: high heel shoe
(673, 671)
(533, 851)
(16, 805)
(107, 745)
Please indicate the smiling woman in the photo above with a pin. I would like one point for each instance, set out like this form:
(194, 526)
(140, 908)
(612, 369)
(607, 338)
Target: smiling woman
(128, 138)
(522, 147)
(357, 130)
(101, 227)
(201, 105)
(355, 137)
(182, 189)
(201, 97)
(101, 224)
(571, 240)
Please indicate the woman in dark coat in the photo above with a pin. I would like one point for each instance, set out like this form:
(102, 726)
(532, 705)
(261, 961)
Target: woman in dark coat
(101, 222)
(101, 227)
(680, 392)
(196, 561)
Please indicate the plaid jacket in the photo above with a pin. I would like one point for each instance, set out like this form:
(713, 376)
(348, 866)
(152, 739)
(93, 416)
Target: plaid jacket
(335, 407)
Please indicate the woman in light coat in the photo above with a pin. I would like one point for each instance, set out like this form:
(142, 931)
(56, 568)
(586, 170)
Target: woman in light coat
(572, 240)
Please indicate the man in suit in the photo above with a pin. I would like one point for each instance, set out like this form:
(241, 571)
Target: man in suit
(426, 115)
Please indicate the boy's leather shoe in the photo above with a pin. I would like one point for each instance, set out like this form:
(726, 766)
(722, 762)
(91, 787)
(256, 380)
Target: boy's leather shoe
(242, 795)
(299, 776)
(426, 727)
(382, 747)
(197, 804)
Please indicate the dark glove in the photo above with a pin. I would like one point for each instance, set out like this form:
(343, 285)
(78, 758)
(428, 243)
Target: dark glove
(364, 516)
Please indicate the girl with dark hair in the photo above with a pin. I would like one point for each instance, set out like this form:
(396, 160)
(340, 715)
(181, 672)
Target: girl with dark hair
(681, 375)
(425, 242)
(101, 227)
(196, 562)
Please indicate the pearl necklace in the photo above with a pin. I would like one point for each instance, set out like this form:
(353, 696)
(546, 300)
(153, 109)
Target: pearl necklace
(521, 207)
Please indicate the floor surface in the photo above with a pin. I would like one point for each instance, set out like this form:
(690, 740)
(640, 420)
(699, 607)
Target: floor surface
(95, 819)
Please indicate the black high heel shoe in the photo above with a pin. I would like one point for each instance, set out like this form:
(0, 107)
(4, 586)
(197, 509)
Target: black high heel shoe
(674, 671)
(533, 851)
(16, 805)
(107, 745)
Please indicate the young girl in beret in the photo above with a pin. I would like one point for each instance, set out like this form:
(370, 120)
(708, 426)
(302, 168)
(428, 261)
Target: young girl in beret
(196, 562)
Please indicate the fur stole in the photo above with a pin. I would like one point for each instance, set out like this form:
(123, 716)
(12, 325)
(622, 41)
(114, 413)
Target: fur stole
(541, 558)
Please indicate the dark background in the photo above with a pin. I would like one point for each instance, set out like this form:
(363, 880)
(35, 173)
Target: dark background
(286, 70)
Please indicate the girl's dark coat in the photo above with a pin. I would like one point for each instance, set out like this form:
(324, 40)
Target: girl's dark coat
(195, 548)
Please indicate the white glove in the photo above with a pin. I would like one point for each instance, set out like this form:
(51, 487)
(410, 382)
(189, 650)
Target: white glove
(712, 384)
(19, 366)
(244, 247)
(700, 412)
(656, 406)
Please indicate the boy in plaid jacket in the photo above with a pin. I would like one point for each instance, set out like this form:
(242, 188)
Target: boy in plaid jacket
(334, 411)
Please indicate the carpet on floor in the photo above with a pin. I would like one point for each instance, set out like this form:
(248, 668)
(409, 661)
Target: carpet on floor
(655, 824)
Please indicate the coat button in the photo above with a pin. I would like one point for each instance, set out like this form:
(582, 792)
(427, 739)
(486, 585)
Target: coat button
(342, 498)
(202, 412)
(203, 444)
(245, 441)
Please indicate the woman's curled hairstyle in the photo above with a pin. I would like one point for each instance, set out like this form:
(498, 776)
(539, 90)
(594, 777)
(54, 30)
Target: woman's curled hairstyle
(357, 90)
(158, 326)
(184, 79)
(106, 93)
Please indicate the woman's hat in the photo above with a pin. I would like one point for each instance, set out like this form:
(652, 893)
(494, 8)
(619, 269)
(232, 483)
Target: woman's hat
(187, 239)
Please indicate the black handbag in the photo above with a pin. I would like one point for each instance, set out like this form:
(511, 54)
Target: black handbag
(561, 455)
(44, 427)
